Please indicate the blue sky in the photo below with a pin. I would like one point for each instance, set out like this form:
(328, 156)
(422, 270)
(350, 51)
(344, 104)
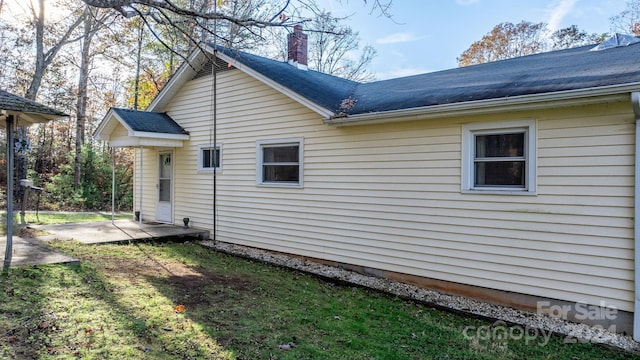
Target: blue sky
(428, 35)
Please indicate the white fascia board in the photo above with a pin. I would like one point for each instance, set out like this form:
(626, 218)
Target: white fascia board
(161, 142)
(614, 93)
(108, 124)
(98, 133)
(28, 119)
(33, 118)
(152, 135)
(184, 73)
(136, 141)
(124, 142)
(322, 111)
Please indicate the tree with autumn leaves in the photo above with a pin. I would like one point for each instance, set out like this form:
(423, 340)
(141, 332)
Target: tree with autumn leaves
(82, 65)
(507, 40)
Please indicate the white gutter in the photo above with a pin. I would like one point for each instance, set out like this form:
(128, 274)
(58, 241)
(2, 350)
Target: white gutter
(613, 93)
(635, 101)
(154, 135)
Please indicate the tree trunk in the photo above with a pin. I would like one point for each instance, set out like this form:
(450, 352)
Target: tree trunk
(43, 60)
(20, 158)
(81, 104)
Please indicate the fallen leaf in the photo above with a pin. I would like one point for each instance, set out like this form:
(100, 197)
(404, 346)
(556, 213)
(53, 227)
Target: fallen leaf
(179, 308)
(87, 330)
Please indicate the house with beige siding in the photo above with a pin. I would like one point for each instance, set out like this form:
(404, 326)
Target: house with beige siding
(514, 181)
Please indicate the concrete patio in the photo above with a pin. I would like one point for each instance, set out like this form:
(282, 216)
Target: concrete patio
(29, 251)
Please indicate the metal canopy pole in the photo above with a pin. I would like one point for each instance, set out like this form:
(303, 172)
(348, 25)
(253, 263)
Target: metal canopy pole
(140, 186)
(9, 249)
(113, 185)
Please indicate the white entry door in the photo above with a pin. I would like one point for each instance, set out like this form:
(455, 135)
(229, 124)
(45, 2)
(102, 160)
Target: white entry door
(165, 187)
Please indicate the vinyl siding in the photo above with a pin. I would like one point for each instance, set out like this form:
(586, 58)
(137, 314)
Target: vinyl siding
(119, 132)
(389, 196)
(149, 179)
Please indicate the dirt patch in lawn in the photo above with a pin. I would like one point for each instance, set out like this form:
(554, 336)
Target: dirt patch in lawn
(188, 285)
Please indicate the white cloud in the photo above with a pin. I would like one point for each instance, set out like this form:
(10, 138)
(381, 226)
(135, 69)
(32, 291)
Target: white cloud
(466, 2)
(558, 10)
(397, 38)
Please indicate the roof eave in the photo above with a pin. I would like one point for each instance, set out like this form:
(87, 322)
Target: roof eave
(147, 134)
(106, 125)
(613, 93)
(30, 118)
(98, 132)
(184, 73)
(321, 110)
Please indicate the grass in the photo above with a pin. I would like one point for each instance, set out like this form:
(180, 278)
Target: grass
(183, 301)
(51, 218)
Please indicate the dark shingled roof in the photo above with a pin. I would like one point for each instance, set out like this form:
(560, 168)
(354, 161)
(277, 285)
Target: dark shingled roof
(572, 69)
(154, 122)
(325, 90)
(12, 102)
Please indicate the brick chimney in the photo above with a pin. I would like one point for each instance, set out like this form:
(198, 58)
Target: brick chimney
(297, 48)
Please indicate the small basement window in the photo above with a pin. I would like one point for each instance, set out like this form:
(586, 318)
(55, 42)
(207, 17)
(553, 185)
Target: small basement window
(279, 162)
(209, 157)
(499, 157)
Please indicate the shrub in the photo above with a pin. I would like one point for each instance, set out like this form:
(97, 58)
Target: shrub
(94, 191)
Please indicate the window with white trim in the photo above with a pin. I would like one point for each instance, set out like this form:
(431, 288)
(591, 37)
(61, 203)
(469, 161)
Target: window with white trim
(279, 162)
(499, 157)
(209, 157)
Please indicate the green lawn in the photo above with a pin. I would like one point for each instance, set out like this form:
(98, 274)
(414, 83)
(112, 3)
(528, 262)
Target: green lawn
(51, 218)
(183, 301)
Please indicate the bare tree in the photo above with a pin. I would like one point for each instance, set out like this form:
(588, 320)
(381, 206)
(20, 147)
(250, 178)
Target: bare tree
(628, 21)
(276, 13)
(44, 57)
(333, 47)
(330, 46)
(92, 21)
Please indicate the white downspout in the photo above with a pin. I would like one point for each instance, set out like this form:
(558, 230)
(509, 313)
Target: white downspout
(635, 101)
(113, 185)
(140, 186)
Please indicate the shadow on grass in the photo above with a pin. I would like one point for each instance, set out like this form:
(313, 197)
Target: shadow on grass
(76, 311)
(255, 309)
(185, 301)
(263, 311)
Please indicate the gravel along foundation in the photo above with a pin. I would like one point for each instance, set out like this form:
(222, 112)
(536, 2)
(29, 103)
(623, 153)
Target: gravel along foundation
(518, 322)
